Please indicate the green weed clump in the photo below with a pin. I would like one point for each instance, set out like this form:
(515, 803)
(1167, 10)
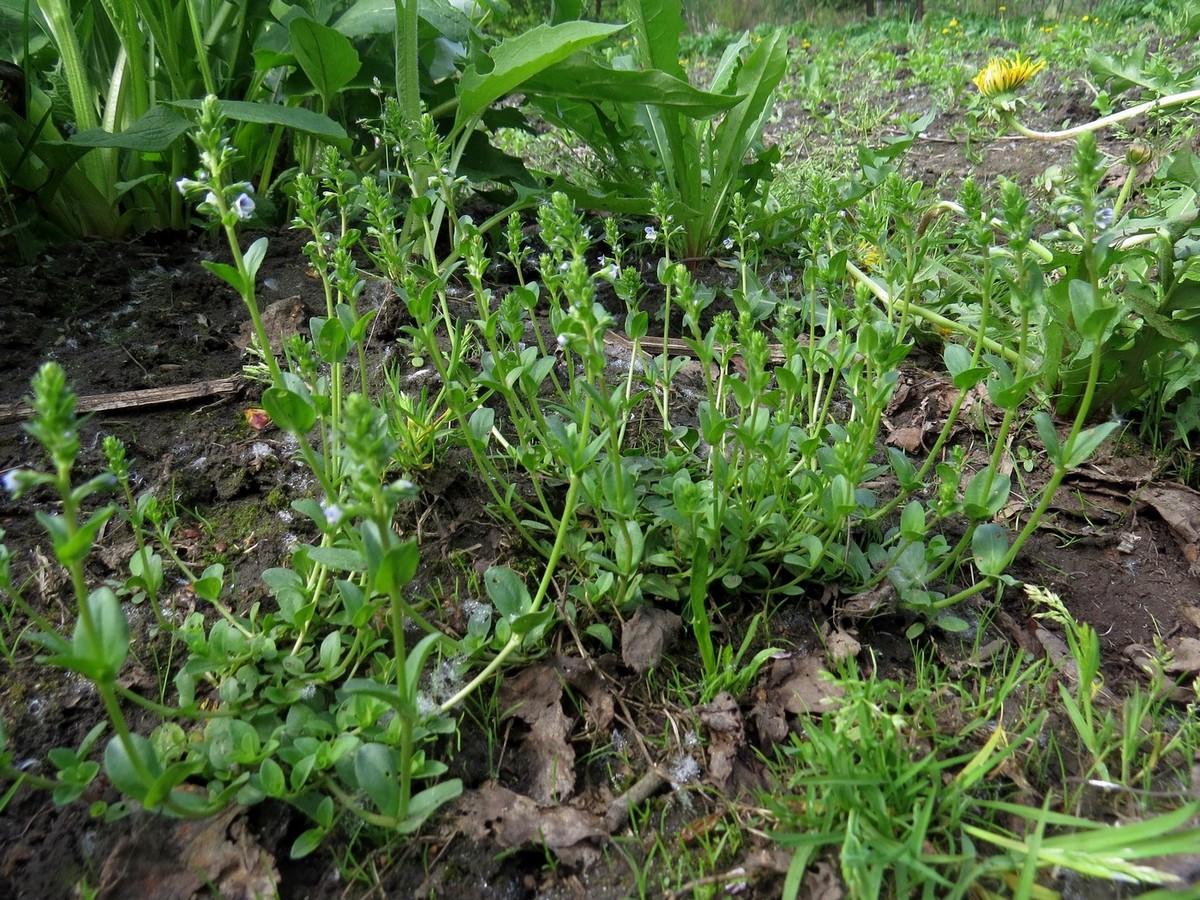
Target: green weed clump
(631, 482)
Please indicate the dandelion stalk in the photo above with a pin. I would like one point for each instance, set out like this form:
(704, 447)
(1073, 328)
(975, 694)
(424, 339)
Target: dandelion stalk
(999, 80)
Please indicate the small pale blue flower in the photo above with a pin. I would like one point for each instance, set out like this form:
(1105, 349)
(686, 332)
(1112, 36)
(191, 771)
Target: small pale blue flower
(11, 481)
(333, 513)
(243, 206)
(651, 233)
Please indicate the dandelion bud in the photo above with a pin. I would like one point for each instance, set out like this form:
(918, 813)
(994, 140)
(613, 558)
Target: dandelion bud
(1138, 154)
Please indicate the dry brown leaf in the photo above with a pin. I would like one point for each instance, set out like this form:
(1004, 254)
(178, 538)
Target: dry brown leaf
(878, 600)
(1191, 613)
(909, 438)
(515, 820)
(723, 719)
(1185, 655)
(534, 696)
(1179, 507)
(190, 859)
(646, 635)
(800, 686)
(841, 645)
(583, 676)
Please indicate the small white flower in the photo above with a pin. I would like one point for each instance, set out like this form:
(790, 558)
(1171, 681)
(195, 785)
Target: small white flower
(210, 198)
(333, 513)
(564, 266)
(183, 184)
(651, 233)
(562, 340)
(728, 242)
(11, 480)
(602, 261)
(244, 206)
(405, 486)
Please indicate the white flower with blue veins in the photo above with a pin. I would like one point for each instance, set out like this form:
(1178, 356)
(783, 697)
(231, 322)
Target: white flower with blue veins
(243, 206)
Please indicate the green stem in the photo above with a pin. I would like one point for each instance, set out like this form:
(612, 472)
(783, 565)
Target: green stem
(515, 641)
(938, 321)
(1097, 124)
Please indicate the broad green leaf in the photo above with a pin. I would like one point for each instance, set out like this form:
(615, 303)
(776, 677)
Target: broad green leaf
(132, 776)
(952, 623)
(377, 775)
(1048, 434)
(986, 494)
(582, 77)
(520, 57)
(657, 25)
(1087, 441)
(958, 364)
(507, 591)
(414, 666)
(912, 522)
(270, 776)
(208, 586)
(326, 56)
(428, 801)
(743, 124)
(227, 273)
(293, 117)
(254, 256)
(481, 422)
(1093, 317)
(307, 842)
(442, 21)
(340, 559)
(397, 567)
(154, 132)
(104, 646)
(989, 545)
(330, 339)
(290, 407)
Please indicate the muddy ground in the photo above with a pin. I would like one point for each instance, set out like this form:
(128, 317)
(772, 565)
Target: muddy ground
(145, 314)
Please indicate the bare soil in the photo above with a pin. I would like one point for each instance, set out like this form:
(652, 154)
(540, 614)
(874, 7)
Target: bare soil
(145, 314)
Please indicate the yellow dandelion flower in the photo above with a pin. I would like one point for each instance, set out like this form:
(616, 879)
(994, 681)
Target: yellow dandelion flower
(869, 256)
(1085, 19)
(954, 23)
(1001, 76)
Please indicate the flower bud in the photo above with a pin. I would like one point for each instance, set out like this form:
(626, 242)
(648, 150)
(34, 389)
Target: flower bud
(1138, 154)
